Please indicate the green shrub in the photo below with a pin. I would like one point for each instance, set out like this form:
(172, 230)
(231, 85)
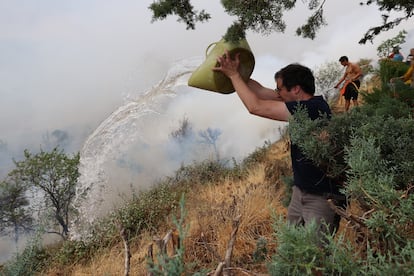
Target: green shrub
(73, 251)
(175, 265)
(298, 252)
(288, 181)
(398, 262)
(260, 253)
(145, 211)
(392, 139)
(257, 156)
(390, 69)
(148, 209)
(324, 141)
(172, 265)
(371, 151)
(31, 261)
(385, 105)
(204, 172)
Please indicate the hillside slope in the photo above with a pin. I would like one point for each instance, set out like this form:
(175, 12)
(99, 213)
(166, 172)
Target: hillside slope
(212, 211)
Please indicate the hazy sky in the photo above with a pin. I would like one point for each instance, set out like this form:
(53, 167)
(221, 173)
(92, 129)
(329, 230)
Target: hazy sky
(69, 64)
(66, 64)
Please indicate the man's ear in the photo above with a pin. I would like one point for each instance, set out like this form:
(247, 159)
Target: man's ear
(296, 89)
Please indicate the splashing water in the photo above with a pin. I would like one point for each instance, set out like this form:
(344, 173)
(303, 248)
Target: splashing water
(119, 152)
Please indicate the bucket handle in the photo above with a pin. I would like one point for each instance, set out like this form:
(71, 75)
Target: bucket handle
(209, 46)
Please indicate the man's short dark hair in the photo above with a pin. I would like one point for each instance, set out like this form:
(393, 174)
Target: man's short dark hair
(343, 58)
(296, 74)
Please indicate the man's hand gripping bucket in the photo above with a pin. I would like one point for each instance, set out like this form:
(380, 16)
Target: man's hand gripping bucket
(205, 78)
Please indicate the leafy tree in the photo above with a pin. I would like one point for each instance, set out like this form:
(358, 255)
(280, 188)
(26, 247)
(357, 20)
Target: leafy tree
(366, 66)
(184, 131)
(182, 141)
(210, 137)
(385, 48)
(185, 138)
(14, 213)
(267, 16)
(326, 76)
(53, 177)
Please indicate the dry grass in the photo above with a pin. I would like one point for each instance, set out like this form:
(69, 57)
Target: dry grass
(210, 212)
(211, 215)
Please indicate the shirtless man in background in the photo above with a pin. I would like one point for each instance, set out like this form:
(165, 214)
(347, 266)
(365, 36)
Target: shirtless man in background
(352, 83)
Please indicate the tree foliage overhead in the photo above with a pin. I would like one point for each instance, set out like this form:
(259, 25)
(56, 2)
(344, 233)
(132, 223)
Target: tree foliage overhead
(183, 9)
(266, 16)
(259, 16)
(405, 6)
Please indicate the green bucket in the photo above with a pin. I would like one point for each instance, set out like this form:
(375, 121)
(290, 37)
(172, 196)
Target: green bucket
(205, 78)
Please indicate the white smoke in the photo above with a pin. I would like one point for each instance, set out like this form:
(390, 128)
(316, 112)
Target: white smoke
(132, 147)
